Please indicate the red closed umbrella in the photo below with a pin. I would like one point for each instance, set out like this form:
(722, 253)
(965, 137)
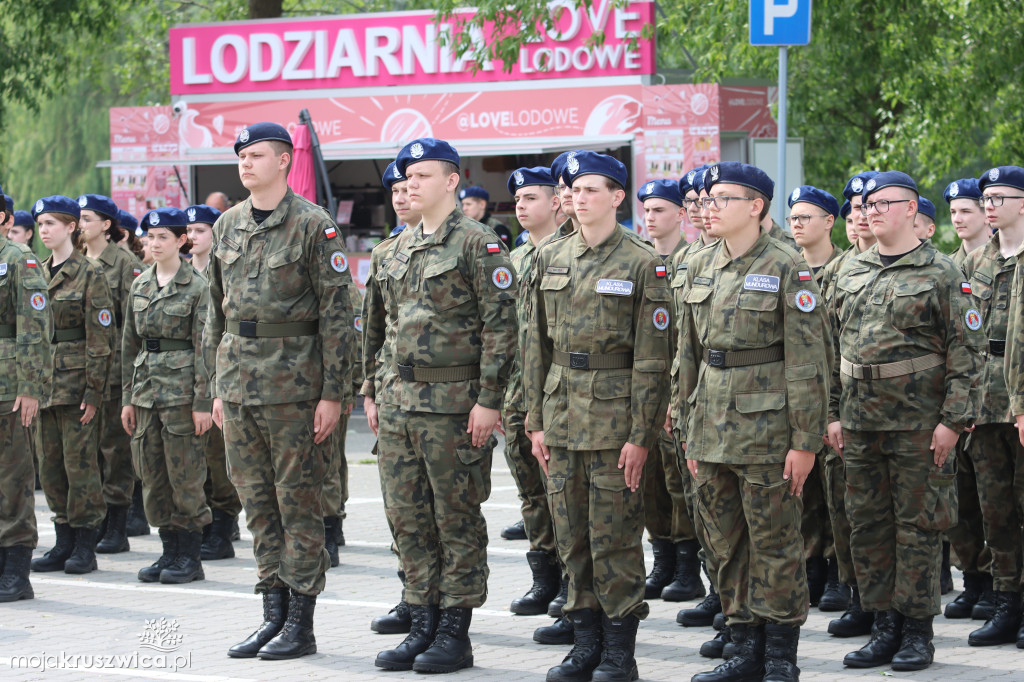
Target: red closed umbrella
(302, 178)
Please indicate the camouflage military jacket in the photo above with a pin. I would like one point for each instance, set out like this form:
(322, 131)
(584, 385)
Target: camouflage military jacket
(374, 319)
(783, 235)
(27, 324)
(120, 268)
(960, 255)
(1013, 367)
(609, 299)
(680, 263)
(523, 258)
(450, 298)
(290, 269)
(755, 413)
(177, 311)
(991, 279)
(910, 309)
(80, 300)
(355, 349)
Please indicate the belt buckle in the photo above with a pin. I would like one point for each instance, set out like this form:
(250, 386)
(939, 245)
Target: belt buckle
(405, 372)
(579, 361)
(716, 358)
(153, 345)
(997, 347)
(247, 328)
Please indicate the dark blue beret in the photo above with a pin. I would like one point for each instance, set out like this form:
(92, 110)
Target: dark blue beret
(925, 205)
(397, 229)
(23, 219)
(58, 203)
(261, 132)
(100, 204)
(689, 181)
(1003, 176)
(165, 216)
(661, 189)
(736, 173)
(558, 166)
(592, 163)
(888, 179)
(522, 237)
(201, 213)
(9, 203)
(844, 210)
(425, 149)
(126, 220)
(391, 176)
(528, 177)
(812, 195)
(474, 192)
(856, 184)
(964, 188)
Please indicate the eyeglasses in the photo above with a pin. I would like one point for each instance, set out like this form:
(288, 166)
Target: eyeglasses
(720, 202)
(690, 202)
(882, 205)
(804, 218)
(995, 201)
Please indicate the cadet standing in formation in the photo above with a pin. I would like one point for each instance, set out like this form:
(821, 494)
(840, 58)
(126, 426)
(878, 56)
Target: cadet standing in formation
(473, 201)
(1012, 210)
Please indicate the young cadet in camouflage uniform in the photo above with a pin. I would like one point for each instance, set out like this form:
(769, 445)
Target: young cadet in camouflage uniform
(595, 375)
(83, 343)
(166, 397)
(536, 206)
(1014, 361)
(473, 200)
(968, 217)
(909, 340)
(279, 327)
(25, 326)
(753, 359)
(100, 237)
(449, 296)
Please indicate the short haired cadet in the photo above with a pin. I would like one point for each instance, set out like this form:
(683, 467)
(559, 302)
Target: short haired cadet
(1002, 176)
(925, 206)
(743, 174)
(661, 188)
(426, 149)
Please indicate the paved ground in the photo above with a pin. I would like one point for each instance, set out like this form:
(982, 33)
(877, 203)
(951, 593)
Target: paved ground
(110, 614)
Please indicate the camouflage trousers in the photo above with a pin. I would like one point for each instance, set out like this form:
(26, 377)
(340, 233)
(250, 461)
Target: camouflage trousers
(665, 509)
(68, 468)
(751, 523)
(599, 526)
(219, 490)
(336, 483)
(998, 459)
(434, 482)
(279, 473)
(690, 491)
(815, 524)
(17, 481)
(967, 537)
(835, 495)
(115, 457)
(899, 505)
(530, 482)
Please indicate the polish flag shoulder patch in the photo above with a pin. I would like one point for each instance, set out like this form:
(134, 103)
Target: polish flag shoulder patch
(493, 248)
(660, 271)
(331, 232)
(136, 272)
(30, 263)
(965, 287)
(804, 275)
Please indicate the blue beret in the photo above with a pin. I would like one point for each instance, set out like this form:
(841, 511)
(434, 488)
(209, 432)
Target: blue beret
(522, 237)
(925, 205)
(527, 177)
(1003, 176)
(23, 219)
(812, 195)
(98, 203)
(844, 210)
(558, 166)
(856, 183)
(9, 203)
(592, 163)
(126, 220)
(201, 213)
(396, 230)
(261, 132)
(888, 179)
(474, 192)
(964, 188)
(736, 173)
(165, 216)
(689, 181)
(661, 189)
(391, 176)
(58, 203)
(425, 149)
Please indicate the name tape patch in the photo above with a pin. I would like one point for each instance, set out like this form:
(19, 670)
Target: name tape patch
(761, 283)
(614, 287)
(703, 281)
(556, 270)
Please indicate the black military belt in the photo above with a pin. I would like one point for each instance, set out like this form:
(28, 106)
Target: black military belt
(267, 330)
(8, 331)
(437, 375)
(724, 359)
(891, 370)
(592, 360)
(119, 319)
(997, 346)
(72, 334)
(163, 345)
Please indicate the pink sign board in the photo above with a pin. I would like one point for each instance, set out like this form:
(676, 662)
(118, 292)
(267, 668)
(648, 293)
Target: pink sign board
(142, 134)
(398, 48)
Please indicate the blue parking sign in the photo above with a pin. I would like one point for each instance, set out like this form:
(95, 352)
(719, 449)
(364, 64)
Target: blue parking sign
(780, 22)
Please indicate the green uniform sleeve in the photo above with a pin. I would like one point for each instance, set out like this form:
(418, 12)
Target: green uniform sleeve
(336, 333)
(34, 359)
(130, 344)
(100, 335)
(808, 359)
(651, 355)
(202, 400)
(964, 342)
(537, 351)
(374, 324)
(1014, 359)
(494, 280)
(214, 330)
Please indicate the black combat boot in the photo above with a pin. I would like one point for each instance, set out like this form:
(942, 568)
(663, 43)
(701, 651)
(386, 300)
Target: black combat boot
(422, 630)
(1020, 636)
(702, 615)
(836, 596)
(296, 637)
(817, 573)
(235, 533)
(747, 664)
(585, 655)
(916, 651)
(546, 583)
(14, 584)
(451, 649)
(3, 558)
(1002, 627)
(883, 645)
(662, 571)
(137, 524)
(985, 608)
(686, 583)
(855, 622)
(713, 648)
(719, 622)
(555, 607)
(275, 611)
(339, 535)
(115, 537)
(946, 576)
(517, 531)
(217, 538)
(618, 655)
(151, 573)
(974, 585)
(559, 632)
(61, 552)
(187, 565)
(397, 621)
(83, 557)
(331, 539)
(780, 644)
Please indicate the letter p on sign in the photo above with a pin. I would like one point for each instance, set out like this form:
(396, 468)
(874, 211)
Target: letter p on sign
(780, 22)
